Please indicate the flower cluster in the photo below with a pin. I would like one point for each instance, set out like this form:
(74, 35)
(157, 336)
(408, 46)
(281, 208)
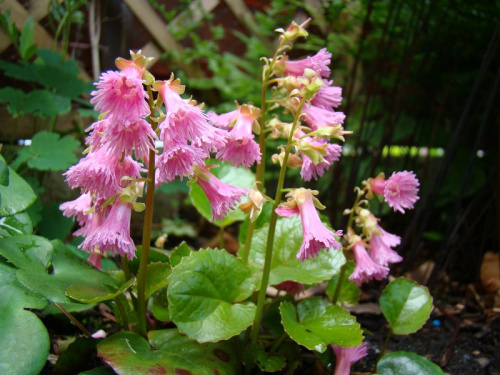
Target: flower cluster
(122, 141)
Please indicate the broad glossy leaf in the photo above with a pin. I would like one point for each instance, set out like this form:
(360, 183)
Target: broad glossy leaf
(68, 270)
(285, 265)
(349, 291)
(157, 277)
(207, 293)
(15, 225)
(54, 225)
(129, 353)
(230, 175)
(407, 363)
(406, 306)
(4, 171)
(27, 251)
(159, 306)
(17, 196)
(48, 151)
(96, 293)
(180, 252)
(315, 323)
(25, 342)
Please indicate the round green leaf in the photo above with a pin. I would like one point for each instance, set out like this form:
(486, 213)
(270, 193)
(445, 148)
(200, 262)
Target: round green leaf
(25, 342)
(157, 277)
(285, 265)
(15, 225)
(96, 293)
(407, 363)
(16, 196)
(406, 306)
(206, 293)
(240, 177)
(129, 353)
(27, 251)
(349, 291)
(159, 306)
(179, 252)
(315, 323)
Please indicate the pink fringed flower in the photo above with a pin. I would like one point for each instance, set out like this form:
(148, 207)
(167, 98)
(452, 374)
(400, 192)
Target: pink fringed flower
(77, 208)
(328, 96)
(101, 173)
(319, 63)
(121, 94)
(380, 247)
(177, 161)
(347, 356)
(123, 136)
(113, 235)
(241, 148)
(399, 191)
(316, 236)
(318, 116)
(222, 197)
(223, 120)
(314, 171)
(366, 268)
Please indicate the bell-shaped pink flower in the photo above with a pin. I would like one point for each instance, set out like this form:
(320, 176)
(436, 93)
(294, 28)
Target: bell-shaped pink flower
(380, 247)
(347, 356)
(316, 236)
(121, 94)
(319, 63)
(318, 116)
(401, 191)
(222, 197)
(311, 171)
(113, 235)
(241, 148)
(77, 208)
(328, 96)
(223, 120)
(366, 269)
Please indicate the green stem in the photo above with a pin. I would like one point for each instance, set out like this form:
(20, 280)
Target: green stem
(221, 238)
(272, 229)
(278, 342)
(338, 287)
(125, 268)
(74, 320)
(146, 233)
(248, 242)
(122, 313)
(386, 343)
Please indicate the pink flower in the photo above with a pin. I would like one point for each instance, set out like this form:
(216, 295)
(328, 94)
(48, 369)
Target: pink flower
(328, 96)
(347, 356)
(101, 172)
(121, 94)
(318, 116)
(96, 131)
(177, 160)
(77, 208)
(123, 136)
(113, 235)
(316, 236)
(399, 191)
(318, 63)
(311, 171)
(366, 269)
(380, 248)
(223, 120)
(222, 197)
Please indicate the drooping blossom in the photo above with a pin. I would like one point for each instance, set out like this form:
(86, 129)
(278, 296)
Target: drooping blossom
(113, 235)
(121, 94)
(318, 116)
(328, 96)
(178, 161)
(319, 63)
(366, 269)
(380, 247)
(399, 191)
(316, 236)
(224, 120)
(77, 208)
(347, 356)
(253, 207)
(241, 148)
(311, 171)
(222, 197)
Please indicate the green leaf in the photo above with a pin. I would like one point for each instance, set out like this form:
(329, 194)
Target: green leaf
(180, 252)
(159, 306)
(406, 306)
(48, 151)
(157, 277)
(68, 270)
(285, 266)
(17, 196)
(315, 323)
(406, 363)
(240, 177)
(26, 47)
(27, 251)
(25, 342)
(15, 225)
(4, 172)
(129, 353)
(96, 293)
(54, 225)
(267, 362)
(206, 295)
(44, 103)
(13, 98)
(349, 291)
